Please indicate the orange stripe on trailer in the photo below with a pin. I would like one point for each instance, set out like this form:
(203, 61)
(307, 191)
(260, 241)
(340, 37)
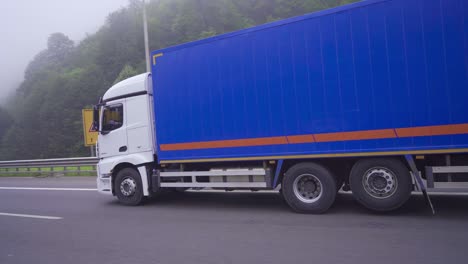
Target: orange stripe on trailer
(432, 130)
(355, 135)
(324, 137)
(301, 139)
(226, 143)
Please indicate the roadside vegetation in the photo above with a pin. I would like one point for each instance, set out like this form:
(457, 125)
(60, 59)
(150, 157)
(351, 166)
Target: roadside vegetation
(40, 172)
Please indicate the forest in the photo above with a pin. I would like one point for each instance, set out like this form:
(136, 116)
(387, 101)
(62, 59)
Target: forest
(43, 117)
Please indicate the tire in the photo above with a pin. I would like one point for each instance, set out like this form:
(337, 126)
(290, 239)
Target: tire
(380, 184)
(128, 187)
(309, 188)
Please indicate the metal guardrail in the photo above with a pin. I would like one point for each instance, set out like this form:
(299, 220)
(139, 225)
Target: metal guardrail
(49, 167)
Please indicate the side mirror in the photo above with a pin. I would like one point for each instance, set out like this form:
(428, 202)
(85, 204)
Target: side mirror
(95, 126)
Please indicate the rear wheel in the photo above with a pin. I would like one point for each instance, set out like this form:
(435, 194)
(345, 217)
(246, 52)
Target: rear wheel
(380, 184)
(128, 187)
(309, 188)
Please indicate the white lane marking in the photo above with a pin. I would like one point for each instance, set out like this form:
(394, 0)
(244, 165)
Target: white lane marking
(33, 216)
(47, 189)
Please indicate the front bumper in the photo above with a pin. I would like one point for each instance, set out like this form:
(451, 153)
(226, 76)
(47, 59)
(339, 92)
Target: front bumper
(104, 182)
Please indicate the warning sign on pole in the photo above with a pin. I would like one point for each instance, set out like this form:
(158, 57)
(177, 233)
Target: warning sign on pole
(90, 137)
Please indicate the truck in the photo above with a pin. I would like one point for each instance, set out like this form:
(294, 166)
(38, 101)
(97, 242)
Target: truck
(369, 97)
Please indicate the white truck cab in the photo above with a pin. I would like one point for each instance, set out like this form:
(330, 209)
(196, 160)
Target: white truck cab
(127, 151)
(126, 137)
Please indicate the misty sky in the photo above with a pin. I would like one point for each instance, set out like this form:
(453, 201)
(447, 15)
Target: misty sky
(25, 26)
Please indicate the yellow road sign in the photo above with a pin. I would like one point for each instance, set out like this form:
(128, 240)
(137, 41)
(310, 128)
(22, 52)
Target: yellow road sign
(90, 138)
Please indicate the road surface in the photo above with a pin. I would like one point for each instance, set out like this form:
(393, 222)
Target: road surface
(82, 226)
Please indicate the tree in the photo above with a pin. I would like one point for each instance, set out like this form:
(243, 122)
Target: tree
(127, 72)
(59, 46)
(54, 58)
(5, 122)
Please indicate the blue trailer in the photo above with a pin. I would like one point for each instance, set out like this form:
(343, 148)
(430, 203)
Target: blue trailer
(356, 95)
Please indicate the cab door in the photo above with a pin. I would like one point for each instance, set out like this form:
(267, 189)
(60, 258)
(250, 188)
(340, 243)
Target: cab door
(113, 133)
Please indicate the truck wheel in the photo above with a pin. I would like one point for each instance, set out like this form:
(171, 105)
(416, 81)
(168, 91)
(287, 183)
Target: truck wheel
(380, 184)
(309, 188)
(128, 187)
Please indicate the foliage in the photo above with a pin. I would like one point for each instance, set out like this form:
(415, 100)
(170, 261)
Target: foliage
(127, 71)
(45, 113)
(5, 121)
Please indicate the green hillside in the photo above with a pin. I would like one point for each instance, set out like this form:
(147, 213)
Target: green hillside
(43, 118)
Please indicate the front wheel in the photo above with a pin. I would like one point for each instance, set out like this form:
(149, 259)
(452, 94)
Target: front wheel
(380, 184)
(309, 188)
(128, 187)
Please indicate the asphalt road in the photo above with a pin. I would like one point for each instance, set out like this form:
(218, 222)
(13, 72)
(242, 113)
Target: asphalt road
(196, 227)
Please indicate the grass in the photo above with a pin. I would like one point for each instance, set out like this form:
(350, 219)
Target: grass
(49, 171)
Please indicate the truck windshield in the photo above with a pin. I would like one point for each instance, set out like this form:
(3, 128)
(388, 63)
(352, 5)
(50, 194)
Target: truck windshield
(112, 117)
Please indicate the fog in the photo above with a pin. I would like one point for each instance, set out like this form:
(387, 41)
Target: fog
(25, 26)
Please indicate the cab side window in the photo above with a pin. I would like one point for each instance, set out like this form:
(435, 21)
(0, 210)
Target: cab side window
(112, 117)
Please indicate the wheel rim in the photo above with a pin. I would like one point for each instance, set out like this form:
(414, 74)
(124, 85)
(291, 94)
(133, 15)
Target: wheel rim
(307, 188)
(380, 183)
(128, 187)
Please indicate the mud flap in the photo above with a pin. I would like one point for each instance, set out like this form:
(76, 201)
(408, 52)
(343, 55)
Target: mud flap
(419, 181)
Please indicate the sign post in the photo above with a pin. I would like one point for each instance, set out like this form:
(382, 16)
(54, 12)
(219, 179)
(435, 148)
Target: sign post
(90, 138)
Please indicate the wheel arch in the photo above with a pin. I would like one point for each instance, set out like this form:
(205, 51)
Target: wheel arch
(117, 169)
(339, 167)
(137, 161)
